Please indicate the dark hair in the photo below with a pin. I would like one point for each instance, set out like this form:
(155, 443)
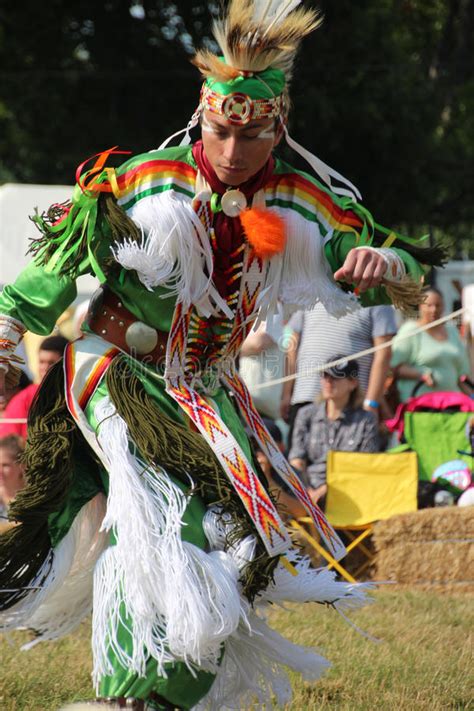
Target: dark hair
(356, 398)
(24, 380)
(54, 343)
(427, 289)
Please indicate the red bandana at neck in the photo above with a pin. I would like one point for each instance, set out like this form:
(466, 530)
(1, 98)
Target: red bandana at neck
(249, 188)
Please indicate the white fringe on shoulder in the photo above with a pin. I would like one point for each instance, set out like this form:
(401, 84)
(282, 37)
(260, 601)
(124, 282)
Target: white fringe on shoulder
(306, 277)
(61, 594)
(180, 602)
(174, 252)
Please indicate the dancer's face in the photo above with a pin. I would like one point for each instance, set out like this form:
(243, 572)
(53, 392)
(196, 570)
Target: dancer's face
(238, 152)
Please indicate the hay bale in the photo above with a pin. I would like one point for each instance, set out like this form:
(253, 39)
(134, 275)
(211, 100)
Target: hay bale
(432, 548)
(429, 524)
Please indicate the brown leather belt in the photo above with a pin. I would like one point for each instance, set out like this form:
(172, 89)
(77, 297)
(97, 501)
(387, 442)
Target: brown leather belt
(111, 320)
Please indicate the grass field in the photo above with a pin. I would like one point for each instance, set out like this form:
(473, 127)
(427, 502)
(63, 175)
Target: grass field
(423, 663)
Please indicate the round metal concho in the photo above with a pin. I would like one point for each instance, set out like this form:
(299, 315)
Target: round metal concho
(233, 202)
(141, 338)
(237, 108)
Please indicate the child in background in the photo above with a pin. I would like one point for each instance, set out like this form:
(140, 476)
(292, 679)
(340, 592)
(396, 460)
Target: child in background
(11, 474)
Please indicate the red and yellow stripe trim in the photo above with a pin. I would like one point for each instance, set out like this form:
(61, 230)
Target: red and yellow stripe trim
(92, 381)
(96, 376)
(155, 171)
(313, 199)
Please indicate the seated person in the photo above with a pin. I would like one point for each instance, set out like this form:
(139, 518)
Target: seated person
(11, 474)
(337, 421)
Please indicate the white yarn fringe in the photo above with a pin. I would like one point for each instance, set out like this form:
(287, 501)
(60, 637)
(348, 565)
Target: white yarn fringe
(61, 593)
(180, 602)
(314, 585)
(255, 658)
(217, 526)
(306, 278)
(253, 669)
(174, 251)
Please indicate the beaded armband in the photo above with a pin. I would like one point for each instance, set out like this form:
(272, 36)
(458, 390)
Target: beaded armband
(395, 270)
(11, 333)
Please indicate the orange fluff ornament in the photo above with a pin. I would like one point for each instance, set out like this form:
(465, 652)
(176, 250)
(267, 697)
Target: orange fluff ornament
(264, 230)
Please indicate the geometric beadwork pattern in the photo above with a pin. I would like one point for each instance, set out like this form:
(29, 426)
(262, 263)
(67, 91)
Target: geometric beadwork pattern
(250, 287)
(183, 384)
(281, 465)
(189, 335)
(236, 465)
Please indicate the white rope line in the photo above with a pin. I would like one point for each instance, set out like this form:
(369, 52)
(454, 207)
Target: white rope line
(321, 368)
(367, 351)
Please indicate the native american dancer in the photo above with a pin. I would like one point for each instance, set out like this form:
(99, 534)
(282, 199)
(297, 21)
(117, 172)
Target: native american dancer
(144, 501)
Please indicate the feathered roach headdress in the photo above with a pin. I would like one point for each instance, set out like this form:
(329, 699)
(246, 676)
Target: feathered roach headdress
(259, 40)
(256, 36)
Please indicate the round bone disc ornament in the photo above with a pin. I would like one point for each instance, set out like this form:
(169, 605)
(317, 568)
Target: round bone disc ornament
(141, 338)
(233, 202)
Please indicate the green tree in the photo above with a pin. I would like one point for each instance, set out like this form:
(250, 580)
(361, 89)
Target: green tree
(384, 92)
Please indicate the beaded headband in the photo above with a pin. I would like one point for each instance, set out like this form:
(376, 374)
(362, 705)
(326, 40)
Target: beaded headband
(239, 108)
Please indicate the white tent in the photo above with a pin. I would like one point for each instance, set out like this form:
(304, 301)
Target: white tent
(17, 203)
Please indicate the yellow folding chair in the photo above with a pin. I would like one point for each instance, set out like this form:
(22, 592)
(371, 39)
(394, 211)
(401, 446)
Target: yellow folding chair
(362, 489)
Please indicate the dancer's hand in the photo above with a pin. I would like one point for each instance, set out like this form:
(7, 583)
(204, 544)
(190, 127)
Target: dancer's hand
(364, 268)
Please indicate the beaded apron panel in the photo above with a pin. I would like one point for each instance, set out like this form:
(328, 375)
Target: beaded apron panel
(189, 380)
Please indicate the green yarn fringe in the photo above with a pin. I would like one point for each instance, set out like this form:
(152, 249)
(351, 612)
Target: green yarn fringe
(163, 442)
(69, 233)
(55, 229)
(52, 437)
(120, 224)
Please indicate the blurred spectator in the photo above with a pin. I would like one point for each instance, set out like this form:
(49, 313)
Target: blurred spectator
(316, 333)
(50, 351)
(468, 321)
(11, 471)
(336, 422)
(261, 360)
(10, 392)
(434, 359)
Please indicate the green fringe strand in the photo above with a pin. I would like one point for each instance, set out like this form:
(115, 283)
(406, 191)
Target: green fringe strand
(52, 437)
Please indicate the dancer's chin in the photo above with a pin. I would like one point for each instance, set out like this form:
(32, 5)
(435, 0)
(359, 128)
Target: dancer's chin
(232, 176)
